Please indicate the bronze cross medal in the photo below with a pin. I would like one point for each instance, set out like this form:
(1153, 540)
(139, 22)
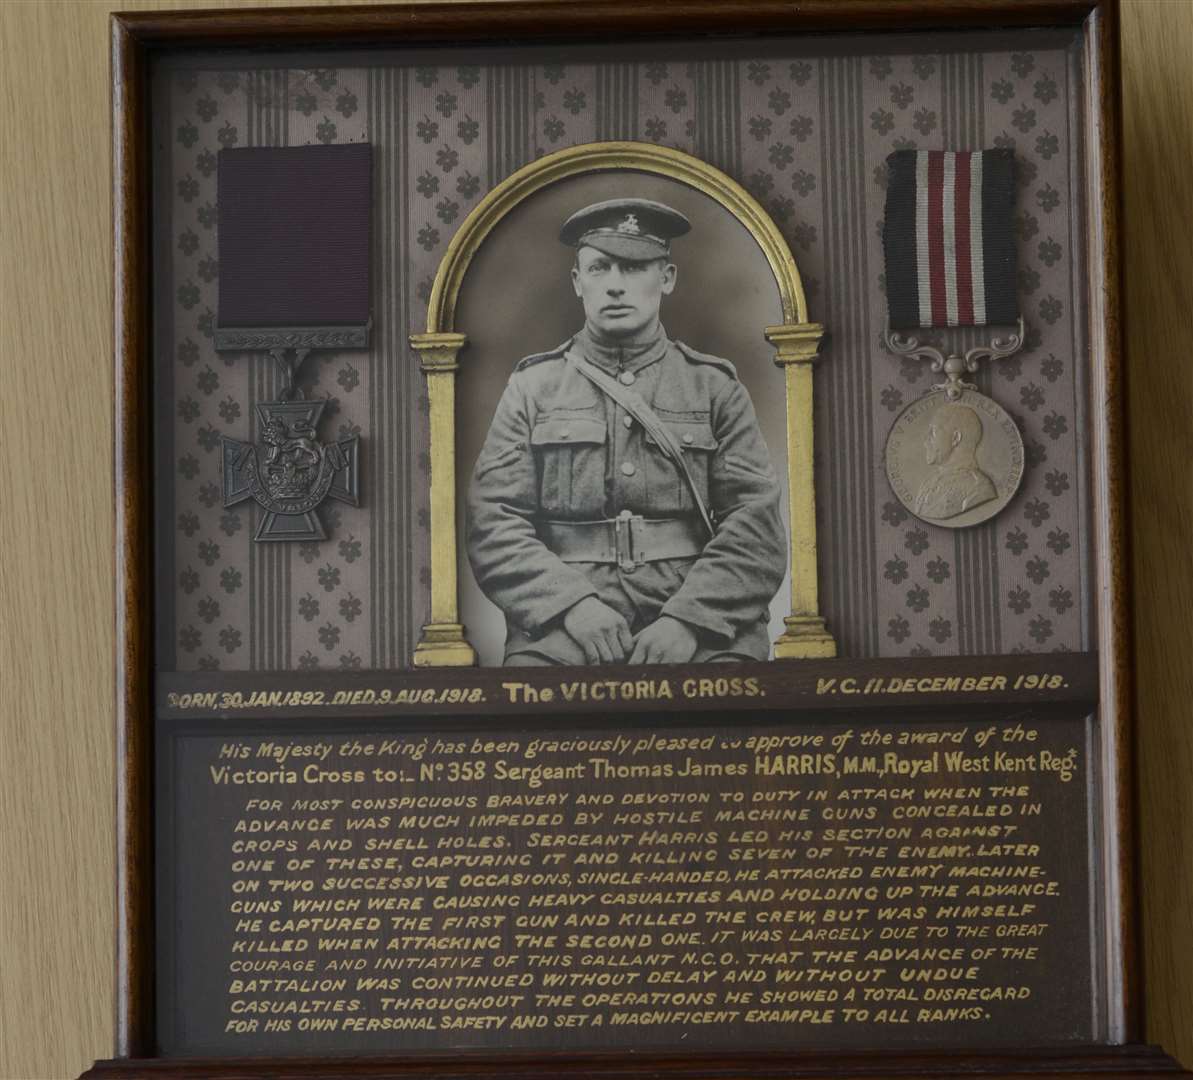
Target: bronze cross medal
(289, 473)
(294, 235)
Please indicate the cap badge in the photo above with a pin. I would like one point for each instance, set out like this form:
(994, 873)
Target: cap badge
(630, 225)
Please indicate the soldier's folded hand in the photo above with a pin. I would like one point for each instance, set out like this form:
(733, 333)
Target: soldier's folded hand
(664, 641)
(603, 634)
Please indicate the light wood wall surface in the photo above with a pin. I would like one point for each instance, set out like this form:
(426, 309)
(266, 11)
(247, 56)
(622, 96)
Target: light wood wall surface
(56, 521)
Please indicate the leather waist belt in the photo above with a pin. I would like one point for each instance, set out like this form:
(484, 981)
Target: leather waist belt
(629, 540)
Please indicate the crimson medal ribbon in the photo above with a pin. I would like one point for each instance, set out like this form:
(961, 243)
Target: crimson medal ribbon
(294, 236)
(949, 238)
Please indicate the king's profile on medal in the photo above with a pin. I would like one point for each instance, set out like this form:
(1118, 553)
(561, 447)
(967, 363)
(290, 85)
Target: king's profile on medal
(958, 483)
(623, 507)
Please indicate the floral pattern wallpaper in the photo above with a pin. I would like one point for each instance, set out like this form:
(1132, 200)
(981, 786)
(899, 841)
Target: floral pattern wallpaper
(807, 135)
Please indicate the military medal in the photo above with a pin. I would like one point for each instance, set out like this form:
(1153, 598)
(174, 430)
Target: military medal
(294, 277)
(954, 457)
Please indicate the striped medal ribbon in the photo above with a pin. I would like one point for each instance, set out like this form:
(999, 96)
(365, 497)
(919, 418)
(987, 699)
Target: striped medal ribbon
(949, 238)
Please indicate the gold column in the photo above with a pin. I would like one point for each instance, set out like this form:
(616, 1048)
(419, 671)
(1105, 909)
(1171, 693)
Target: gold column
(443, 643)
(806, 636)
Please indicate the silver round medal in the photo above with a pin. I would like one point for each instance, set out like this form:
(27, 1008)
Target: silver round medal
(956, 460)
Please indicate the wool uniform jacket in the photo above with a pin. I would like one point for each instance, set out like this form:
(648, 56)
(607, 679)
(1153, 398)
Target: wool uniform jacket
(560, 451)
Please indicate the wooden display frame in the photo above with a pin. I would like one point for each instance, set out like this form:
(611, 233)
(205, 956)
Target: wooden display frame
(138, 38)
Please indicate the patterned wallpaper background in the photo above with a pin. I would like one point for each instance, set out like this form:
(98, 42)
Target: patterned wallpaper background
(807, 135)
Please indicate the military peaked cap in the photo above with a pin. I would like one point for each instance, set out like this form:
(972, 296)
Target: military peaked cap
(633, 229)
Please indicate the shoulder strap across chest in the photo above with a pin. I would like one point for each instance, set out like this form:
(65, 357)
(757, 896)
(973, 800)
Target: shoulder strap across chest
(646, 416)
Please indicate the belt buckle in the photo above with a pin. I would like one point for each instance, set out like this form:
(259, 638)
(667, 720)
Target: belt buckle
(628, 540)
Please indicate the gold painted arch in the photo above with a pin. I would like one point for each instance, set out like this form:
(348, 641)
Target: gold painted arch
(607, 157)
(444, 641)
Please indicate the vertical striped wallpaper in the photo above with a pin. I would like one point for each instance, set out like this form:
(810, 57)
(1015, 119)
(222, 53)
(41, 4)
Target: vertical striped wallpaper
(807, 135)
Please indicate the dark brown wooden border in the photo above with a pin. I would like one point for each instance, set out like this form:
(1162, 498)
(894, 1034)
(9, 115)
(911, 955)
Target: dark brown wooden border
(138, 37)
(1103, 163)
(1120, 1062)
(456, 21)
(134, 544)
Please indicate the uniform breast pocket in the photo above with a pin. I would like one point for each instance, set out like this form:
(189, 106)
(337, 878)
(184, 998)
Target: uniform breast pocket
(569, 454)
(668, 488)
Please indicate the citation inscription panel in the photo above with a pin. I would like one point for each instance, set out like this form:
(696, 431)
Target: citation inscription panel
(920, 883)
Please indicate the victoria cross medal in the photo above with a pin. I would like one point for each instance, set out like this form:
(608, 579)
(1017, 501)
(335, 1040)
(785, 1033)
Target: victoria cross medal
(291, 472)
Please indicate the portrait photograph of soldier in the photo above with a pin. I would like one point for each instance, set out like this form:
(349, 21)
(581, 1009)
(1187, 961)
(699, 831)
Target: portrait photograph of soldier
(623, 506)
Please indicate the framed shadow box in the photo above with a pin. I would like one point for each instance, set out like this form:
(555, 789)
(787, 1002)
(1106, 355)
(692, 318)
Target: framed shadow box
(621, 542)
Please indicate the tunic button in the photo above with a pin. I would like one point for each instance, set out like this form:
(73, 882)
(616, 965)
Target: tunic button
(628, 468)
(626, 378)
(687, 439)
(564, 433)
(628, 421)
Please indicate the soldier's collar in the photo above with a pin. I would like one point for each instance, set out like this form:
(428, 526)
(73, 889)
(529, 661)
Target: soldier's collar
(614, 358)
